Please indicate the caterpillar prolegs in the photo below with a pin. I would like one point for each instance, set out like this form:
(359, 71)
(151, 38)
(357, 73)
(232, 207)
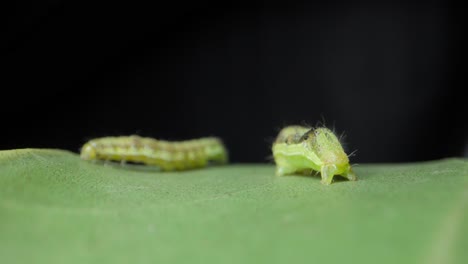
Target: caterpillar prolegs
(299, 149)
(169, 156)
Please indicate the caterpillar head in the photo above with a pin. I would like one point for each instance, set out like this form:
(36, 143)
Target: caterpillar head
(324, 143)
(88, 152)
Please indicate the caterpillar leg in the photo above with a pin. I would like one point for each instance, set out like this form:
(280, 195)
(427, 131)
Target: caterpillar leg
(281, 171)
(327, 172)
(350, 175)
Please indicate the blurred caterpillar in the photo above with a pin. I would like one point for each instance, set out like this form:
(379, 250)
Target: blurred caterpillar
(169, 156)
(300, 149)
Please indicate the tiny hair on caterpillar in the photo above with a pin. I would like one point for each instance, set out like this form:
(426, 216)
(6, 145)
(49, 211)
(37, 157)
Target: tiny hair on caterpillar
(168, 155)
(299, 149)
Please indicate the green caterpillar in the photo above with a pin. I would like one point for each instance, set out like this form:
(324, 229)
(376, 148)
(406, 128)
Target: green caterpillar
(167, 155)
(299, 149)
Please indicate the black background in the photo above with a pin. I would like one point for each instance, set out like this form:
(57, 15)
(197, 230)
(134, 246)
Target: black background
(386, 74)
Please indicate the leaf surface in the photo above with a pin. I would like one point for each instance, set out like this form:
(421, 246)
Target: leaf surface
(56, 208)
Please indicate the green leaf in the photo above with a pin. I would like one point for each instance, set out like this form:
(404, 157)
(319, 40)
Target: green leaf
(56, 208)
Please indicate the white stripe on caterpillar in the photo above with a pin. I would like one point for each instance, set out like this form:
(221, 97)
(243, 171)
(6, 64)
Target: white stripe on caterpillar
(169, 156)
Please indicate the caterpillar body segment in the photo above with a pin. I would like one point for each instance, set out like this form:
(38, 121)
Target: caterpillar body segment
(167, 155)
